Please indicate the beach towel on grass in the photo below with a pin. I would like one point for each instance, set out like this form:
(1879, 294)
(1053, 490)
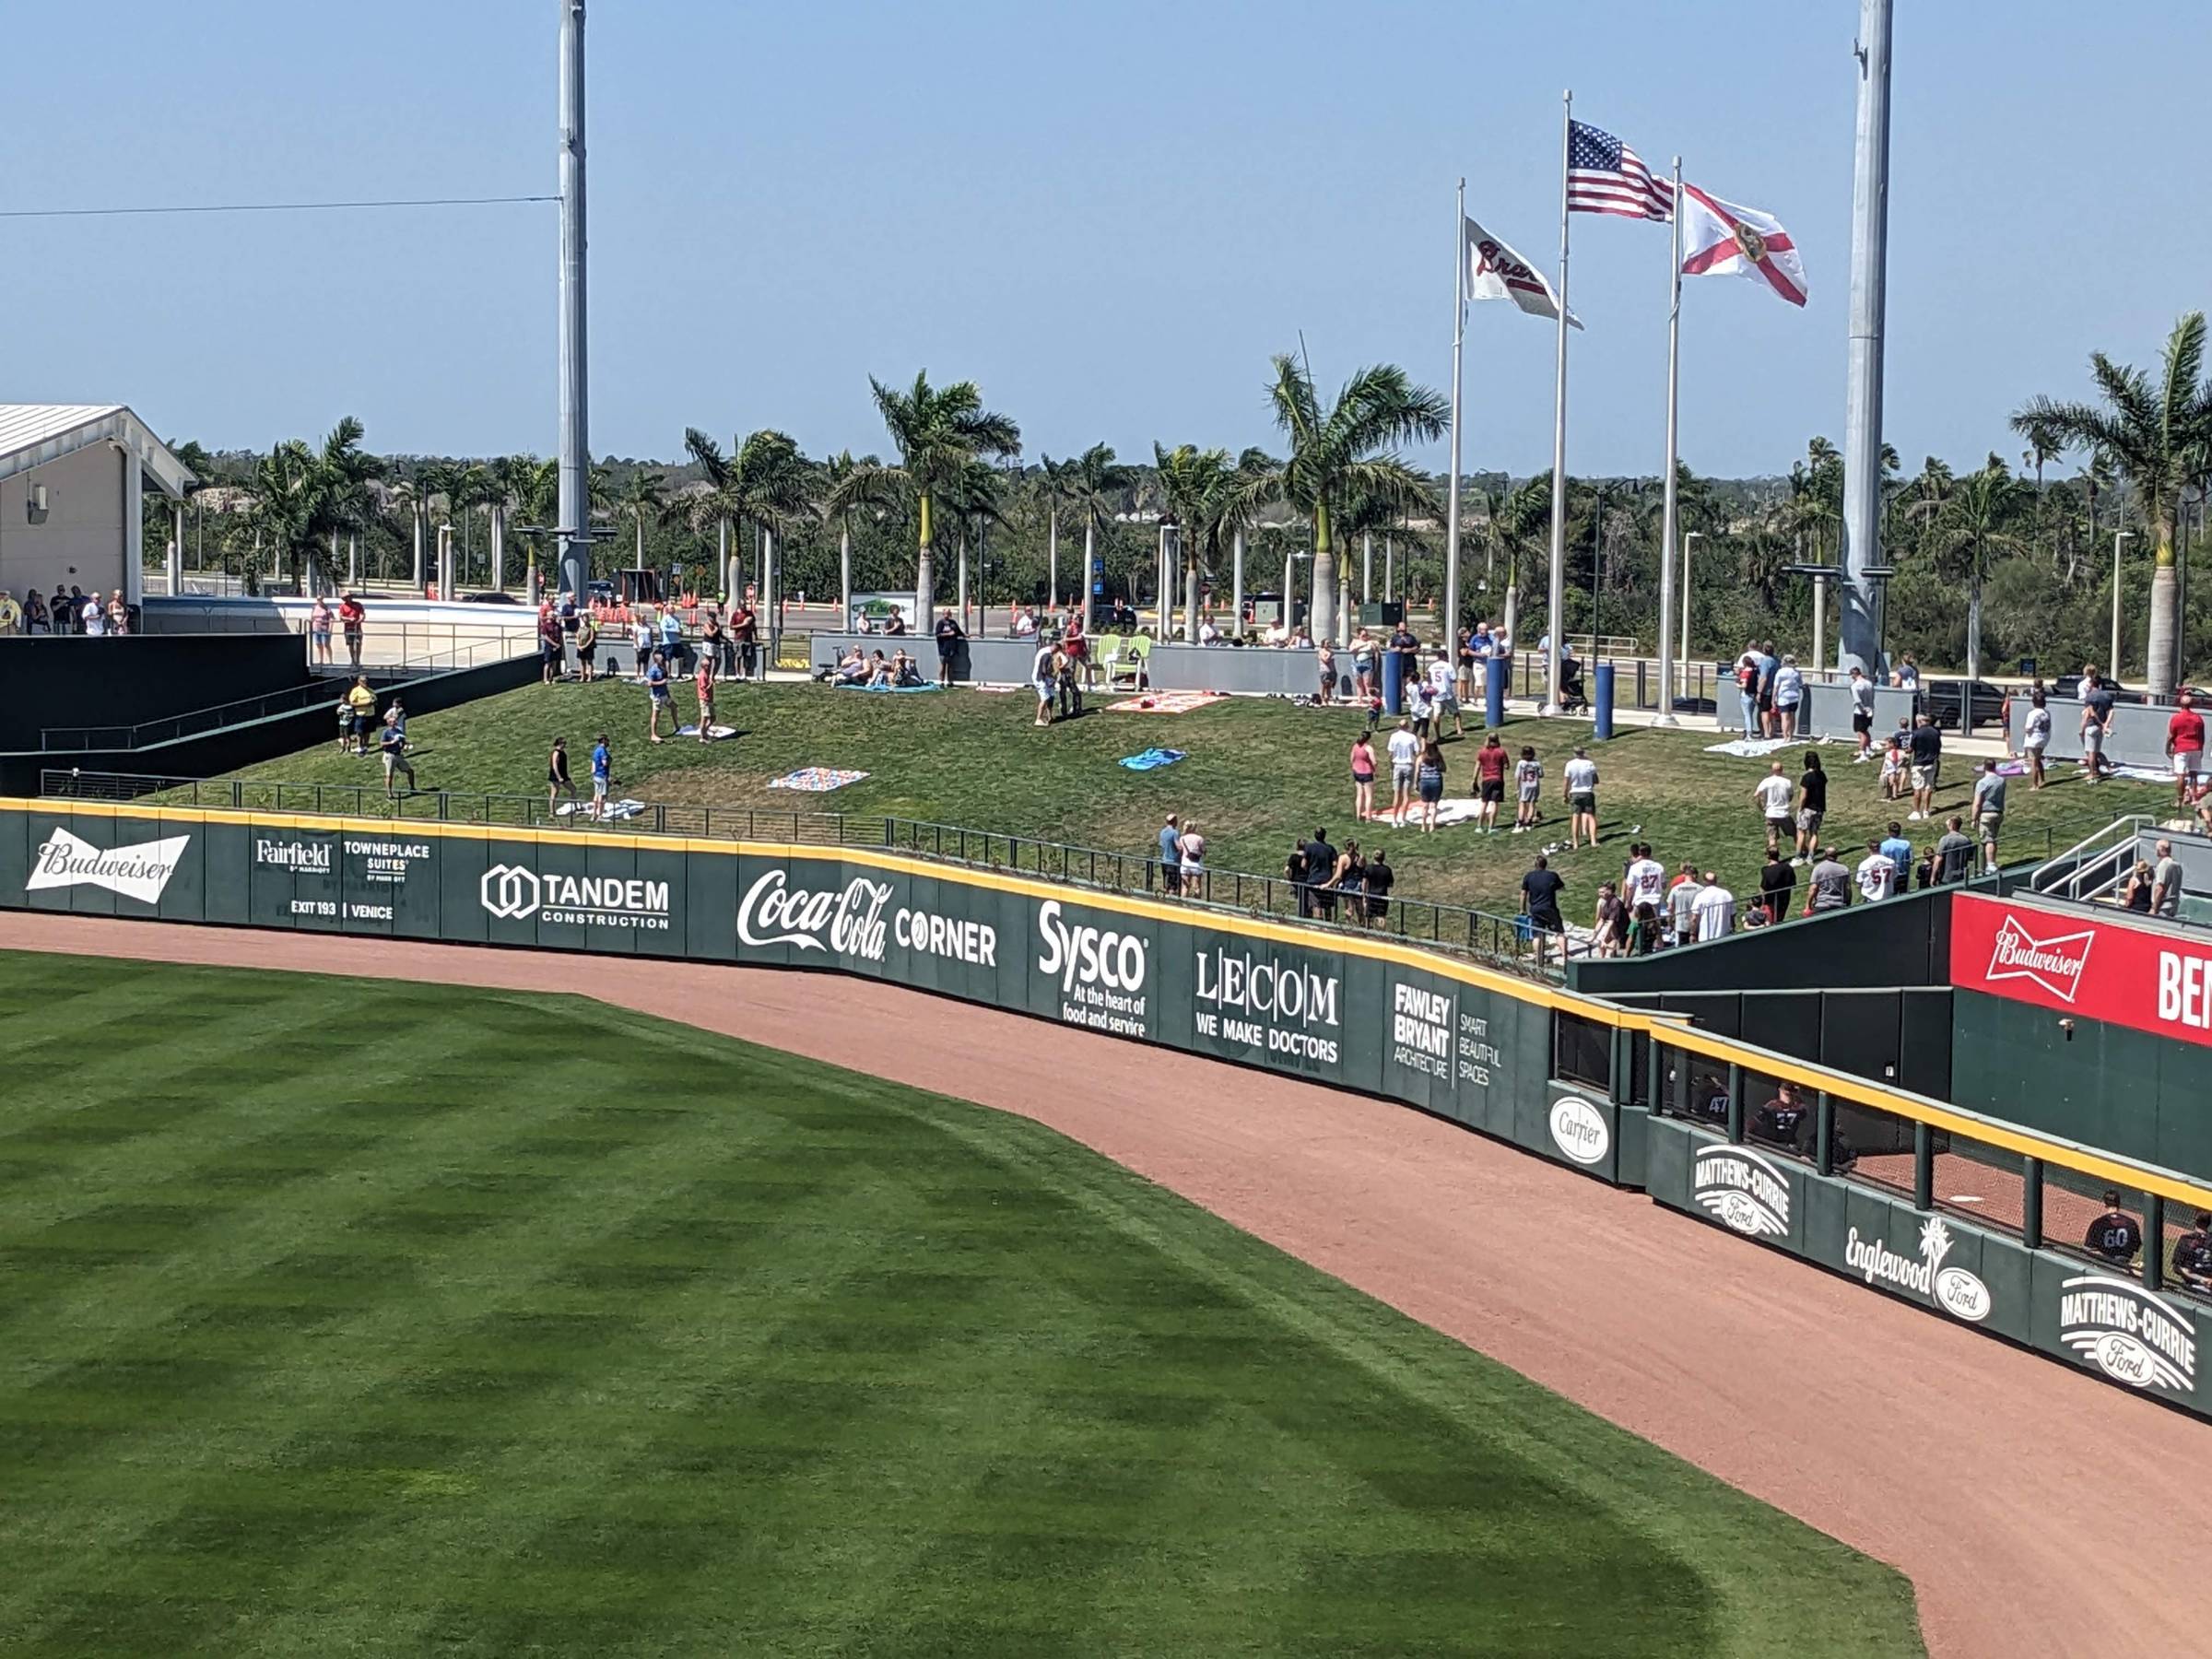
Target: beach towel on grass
(614, 809)
(1166, 702)
(817, 780)
(714, 733)
(933, 686)
(1152, 759)
(1460, 811)
(1752, 747)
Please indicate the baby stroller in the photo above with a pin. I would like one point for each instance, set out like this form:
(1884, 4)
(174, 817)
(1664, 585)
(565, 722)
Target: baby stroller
(1572, 699)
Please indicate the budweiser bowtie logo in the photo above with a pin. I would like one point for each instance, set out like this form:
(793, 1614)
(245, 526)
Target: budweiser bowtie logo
(2055, 963)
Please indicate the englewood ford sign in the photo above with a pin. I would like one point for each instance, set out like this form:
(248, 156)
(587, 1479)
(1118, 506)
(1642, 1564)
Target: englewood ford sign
(2138, 977)
(1954, 1290)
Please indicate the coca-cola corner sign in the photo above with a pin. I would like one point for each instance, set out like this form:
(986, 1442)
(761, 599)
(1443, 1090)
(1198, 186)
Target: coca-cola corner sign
(2077, 963)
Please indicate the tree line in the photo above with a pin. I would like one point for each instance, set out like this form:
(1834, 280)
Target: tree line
(1992, 564)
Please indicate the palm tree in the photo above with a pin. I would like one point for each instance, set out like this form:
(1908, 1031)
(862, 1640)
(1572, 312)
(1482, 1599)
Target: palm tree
(973, 499)
(1349, 449)
(762, 485)
(1203, 498)
(408, 499)
(1057, 488)
(2153, 430)
(1978, 515)
(645, 496)
(532, 492)
(939, 430)
(305, 499)
(831, 495)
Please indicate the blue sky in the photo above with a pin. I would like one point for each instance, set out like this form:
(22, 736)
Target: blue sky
(1109, 214)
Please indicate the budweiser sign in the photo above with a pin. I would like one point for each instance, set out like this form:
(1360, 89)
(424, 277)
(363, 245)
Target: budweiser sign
(2055, 962)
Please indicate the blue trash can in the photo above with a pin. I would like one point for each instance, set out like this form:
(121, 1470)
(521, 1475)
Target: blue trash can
(1393, 683)
(1602, 703)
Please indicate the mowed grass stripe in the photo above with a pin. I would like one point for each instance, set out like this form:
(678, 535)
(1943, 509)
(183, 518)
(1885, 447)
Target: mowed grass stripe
(695, 1347)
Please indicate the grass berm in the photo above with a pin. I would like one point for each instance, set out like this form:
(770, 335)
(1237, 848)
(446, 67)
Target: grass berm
(1260, 774)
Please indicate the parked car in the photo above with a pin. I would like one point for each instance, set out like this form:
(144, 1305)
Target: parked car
(1944, 698)
(489, 599)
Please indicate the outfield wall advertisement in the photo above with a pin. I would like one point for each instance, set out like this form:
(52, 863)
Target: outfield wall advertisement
(1367, 1015)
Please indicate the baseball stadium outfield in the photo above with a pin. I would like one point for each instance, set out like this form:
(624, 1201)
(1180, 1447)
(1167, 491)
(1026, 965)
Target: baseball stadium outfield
(346, 1316)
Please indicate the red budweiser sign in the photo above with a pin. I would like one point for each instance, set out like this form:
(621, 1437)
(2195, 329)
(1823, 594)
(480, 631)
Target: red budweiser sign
(2074, 963)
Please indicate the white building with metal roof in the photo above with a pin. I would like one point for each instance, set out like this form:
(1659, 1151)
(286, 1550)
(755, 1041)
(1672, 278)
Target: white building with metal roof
(73, 484)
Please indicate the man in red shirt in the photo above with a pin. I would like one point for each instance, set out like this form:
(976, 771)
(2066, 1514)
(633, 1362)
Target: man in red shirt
(351, 614)
(1489, 782)
(2186, 743)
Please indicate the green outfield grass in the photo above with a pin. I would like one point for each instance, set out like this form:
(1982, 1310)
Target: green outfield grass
(340, 1317)
(1260, 773)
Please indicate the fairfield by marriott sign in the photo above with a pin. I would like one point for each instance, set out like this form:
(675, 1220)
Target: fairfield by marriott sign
(2148, 979)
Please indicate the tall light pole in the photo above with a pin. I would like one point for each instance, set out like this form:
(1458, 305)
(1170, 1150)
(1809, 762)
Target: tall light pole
(2111, 666)
(1860, 643)
(575, 518)
(1687, 536)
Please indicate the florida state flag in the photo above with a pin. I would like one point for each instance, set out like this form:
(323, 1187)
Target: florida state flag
(1719, 238)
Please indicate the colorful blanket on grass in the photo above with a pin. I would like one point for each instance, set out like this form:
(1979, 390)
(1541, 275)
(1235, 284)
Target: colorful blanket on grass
(817, 780)
(1166, 702)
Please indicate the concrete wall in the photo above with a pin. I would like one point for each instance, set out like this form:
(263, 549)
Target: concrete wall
(84, 541)
(1248, 670)
(1826, 710)
(2139, 735)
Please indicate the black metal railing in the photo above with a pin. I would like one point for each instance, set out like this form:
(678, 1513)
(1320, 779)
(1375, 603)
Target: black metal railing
(1503, 941)
(320, 692)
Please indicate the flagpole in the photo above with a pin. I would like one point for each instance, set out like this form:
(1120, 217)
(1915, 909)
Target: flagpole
(1668, 524)
(1556, 595)
(1459, 328)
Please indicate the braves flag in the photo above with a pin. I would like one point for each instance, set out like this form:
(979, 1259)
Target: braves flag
(1719, 238)
(1493, 271)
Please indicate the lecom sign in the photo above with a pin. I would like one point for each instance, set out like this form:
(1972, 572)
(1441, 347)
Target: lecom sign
(2074, 963)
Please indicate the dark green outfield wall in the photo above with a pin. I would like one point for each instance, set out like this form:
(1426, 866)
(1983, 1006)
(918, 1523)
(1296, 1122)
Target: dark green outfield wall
(1480, 1048)
(70, 681)
(1903, 941)
(2143, 1096)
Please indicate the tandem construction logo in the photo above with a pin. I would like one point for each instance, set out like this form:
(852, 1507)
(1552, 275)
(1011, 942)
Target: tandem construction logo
(1957, 1291)
(2128, 1333)
(1741, 1191)
(1102, 972)
(512, 892)
(140, 871)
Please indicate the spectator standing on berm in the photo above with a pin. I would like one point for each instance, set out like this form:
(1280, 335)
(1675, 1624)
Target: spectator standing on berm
(2095, 723)
(1714, 909)
(1171, 855)
(1775, 882)
(1320, 872)
(1827, 885)
(949, 634)
(1812, 807)
(1578, 781)
(1925, 746)
(2166, 882)
(1954, 851)
(558, 781)
(1861, 716)
(2185, 744)
(1771, 794)
(1540, 890)
(1989, 810)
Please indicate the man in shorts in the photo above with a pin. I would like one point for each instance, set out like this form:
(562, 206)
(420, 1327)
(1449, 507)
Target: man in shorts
(1171, 856)
(1444, 688)
(2185, 744)
(2166, 878)
(1490, 761)
(1861, 716)
(1578, 781)
(1773, 795)
(1540, 890)
(393, 744)
(1045, 674)
(1989, 811)
(661, 701)
(2095, 723)
(1926, 749)
(949, 634)
(1644, 880)
(603, 774)
(1404, 753)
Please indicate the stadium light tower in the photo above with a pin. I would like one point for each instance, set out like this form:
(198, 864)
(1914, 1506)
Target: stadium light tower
(574, 528)
(1861, 642)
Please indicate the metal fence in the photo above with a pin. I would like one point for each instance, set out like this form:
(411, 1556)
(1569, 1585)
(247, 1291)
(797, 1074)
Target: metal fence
(1503, 941)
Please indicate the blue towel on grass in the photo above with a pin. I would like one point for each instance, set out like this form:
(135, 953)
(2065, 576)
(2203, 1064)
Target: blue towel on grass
(1153, 759)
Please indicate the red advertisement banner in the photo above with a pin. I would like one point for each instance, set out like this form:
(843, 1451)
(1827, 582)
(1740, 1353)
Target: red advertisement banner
(2080, 964)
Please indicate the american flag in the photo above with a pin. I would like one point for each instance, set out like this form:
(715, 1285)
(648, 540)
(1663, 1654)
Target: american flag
(1603, 175)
